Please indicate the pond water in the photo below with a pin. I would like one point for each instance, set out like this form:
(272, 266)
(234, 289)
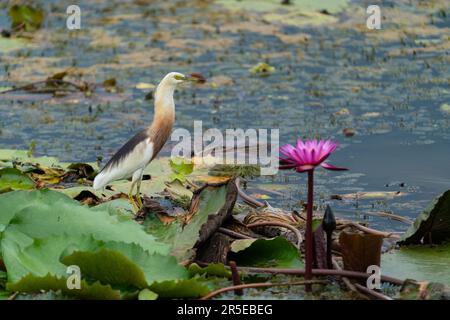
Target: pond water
(388, 86)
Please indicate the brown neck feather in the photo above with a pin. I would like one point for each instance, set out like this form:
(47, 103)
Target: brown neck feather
(161, 127)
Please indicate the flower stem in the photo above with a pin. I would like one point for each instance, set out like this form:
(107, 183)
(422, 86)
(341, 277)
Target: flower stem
(309, 235)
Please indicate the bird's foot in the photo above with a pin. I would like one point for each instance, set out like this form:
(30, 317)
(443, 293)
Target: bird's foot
(139, 201)
(133, 203)
(142, 212)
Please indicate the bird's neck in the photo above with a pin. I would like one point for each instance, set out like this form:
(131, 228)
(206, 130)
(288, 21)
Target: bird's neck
(164, 105)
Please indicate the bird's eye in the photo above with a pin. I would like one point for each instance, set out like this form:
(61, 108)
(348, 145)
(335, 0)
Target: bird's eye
(178, 77)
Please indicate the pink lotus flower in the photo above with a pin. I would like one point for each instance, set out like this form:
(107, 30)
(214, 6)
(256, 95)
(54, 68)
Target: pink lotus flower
(307, 155)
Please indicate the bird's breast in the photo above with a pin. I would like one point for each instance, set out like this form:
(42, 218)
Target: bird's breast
(160, 132)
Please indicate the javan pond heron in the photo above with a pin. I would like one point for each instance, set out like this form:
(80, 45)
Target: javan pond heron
(134, 156)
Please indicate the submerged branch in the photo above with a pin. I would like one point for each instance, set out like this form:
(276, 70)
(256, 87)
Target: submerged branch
(317, 272)
(261, 285)
(373, 293)
(28, 87)
(279, 224)
(384, 215)
(371, 231)
(321, 272)
(247, 199)
(233, 234)
(346, 281)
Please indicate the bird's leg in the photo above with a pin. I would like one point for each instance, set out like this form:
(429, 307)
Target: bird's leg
(130, 196)
(138, 194)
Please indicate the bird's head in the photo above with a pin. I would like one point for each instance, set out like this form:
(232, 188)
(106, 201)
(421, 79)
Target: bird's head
(175, 78)
(169, 83)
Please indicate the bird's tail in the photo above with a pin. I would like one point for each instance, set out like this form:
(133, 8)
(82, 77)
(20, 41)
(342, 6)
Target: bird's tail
(100, 181)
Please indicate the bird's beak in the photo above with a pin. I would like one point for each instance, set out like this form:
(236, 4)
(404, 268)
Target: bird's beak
(195, 77)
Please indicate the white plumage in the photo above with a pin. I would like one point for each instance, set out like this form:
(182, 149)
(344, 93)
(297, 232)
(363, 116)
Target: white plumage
(132, 165)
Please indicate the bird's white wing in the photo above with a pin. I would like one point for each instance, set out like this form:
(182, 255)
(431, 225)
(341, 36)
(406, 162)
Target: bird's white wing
(134, 155)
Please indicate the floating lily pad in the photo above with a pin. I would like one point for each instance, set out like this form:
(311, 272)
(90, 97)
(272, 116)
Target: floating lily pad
(188, 230)
(14, 179)
(11, 44)
(159, 171)
(122, 264)
(26, 17)
(445, 108)
(181, 169)
(276, 252)
(23, 156)
(432, 225)
(422, 263)
(262, 69)
(147, 294)
(47, 175)
(73, 192)
(245, 171)
(44, 231)
(189, 288)
(213, 269)
(299, 12)
(119, 207)
(96, 290)
(332, 6)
